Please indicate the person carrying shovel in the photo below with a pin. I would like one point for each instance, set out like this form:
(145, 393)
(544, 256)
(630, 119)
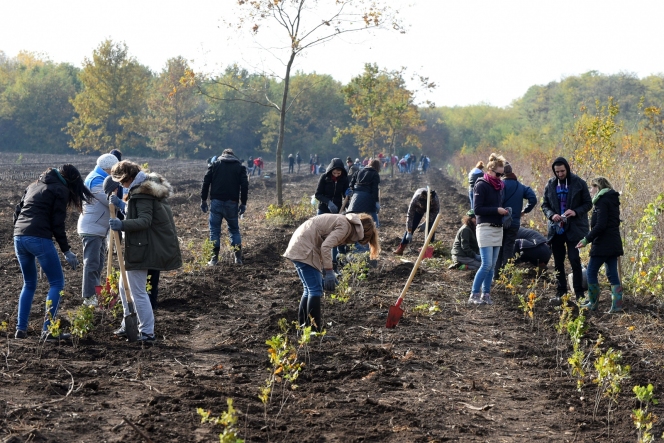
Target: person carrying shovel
(416, 212)
(151, 240)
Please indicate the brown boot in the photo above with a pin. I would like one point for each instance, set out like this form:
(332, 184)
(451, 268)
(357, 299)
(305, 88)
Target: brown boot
(400, 250)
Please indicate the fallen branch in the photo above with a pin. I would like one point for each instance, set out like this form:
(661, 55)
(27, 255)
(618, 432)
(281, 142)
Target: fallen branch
(142, 434)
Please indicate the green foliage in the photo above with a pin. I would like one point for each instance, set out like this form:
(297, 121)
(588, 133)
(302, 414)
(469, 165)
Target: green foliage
(427, 308)
(354, 271)
(285, 367)
(647, 265)
(4, 326)
(82, 321)
(290, 214)
(576, 328)
(53, 327)
(610, 374)
(644, 419)
(228, 419)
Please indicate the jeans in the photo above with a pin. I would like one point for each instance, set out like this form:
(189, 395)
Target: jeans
(94, 258)
(417, 218)
(137, 280)
(220, 210)
(291, 168)
(470, 196)
(610, 266)
(484, 275)
(27, 250)
(507, 250)
(312, 279)
(559, 243)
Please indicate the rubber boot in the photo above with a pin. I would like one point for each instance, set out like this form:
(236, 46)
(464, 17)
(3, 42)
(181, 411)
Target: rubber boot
(593, 297)
(238, 254)
(400, 250)
(215, 257)
(302, 317)
(313, 313)
(616, 299)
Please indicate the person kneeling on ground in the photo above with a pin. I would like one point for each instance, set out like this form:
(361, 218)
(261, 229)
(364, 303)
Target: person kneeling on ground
(465, 250)
(310, 250)
(416, 211)
(531, 247)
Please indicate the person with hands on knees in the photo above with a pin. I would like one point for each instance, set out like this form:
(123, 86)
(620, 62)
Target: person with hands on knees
(606, 242)
(416, 212)
(310, 251)
(151, 240)
(227, 184)
(38, 218)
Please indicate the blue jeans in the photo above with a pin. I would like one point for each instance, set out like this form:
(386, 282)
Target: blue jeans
(470, 197)
(484, 276)
(610, 266)
(220, 210)
(27, 250)
(312, 279)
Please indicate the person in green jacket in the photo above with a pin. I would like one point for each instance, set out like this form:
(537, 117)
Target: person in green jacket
(465, 250)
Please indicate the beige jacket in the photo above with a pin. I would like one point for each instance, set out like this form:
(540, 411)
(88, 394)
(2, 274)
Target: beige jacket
(313, 241)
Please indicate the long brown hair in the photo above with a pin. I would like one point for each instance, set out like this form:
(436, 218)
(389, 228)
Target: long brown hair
(370, 236)
(78, 192)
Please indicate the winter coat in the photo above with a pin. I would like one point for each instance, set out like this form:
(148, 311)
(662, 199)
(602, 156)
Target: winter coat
(578, 200)
(486, 201)
(291, 160)
(605, 224)
(151, 241)
(420, 207)
(365, 191)
(313, 241)
(328, 189)
(473, 175)
(513, 196)
(465, 243)
(226, 180)
(532, 246)
(352, 170)
(94, 218)
(43, 209)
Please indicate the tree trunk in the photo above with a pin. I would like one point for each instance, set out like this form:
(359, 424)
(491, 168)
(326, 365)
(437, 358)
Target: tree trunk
(282, 125)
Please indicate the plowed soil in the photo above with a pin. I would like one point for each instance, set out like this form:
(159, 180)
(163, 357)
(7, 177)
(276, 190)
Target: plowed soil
(485, 373)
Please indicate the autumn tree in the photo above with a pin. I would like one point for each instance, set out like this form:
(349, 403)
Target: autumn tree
(111, 108)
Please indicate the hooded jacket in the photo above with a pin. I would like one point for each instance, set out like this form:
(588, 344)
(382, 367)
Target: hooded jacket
(532, 246)
(605, 224)
(465, 243)
(328, 189)
(578, 200)
(226, 179)
(365, 185)
(94, 218)
(43, 209)
(514, 194)
(151, 238)
(417, 205)
(313, 241)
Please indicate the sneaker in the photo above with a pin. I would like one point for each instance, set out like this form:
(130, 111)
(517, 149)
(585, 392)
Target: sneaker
(146, 337)
(474, 299)
(122, 332)
(90, 301)
(486, 299)
(213, 261)
(21, 334)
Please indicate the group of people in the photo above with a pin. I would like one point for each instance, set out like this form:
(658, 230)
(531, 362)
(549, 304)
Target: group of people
(491, 233)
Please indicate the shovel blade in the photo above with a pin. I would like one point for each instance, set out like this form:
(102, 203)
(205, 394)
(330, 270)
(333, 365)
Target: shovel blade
(131, 324)
(393, 316)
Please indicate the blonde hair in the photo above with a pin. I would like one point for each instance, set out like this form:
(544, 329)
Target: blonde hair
(480, 165)
(124, 170)
(601, 183)
(370, 236)
(495, 161)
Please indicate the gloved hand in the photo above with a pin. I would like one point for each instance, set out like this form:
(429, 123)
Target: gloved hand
(348, 192)
(115, 200)
(71, 259)
(115, 224)
(241, 209)
(377, 207)
(204, 206)
(332, 207)
(409, 237)
(110, 185)
(330, 282)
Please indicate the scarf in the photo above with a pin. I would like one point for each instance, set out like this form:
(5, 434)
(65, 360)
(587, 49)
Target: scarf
(599, 194)
(497, 184)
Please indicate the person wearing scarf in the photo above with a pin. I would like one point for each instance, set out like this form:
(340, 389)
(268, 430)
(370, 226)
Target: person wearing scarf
(487, 206)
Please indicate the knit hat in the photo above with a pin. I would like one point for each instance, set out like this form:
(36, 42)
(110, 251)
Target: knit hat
(106, 161)
(117, 154)
(348, 159)
(507, 168)
(471, 214)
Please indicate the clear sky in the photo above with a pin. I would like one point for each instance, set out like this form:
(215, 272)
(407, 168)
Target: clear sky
(475, 50)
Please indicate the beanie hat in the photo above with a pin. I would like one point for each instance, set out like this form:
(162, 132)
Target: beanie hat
(107, 161)
(348, 159)
(507, 168)
(117, 154)
(471, 214)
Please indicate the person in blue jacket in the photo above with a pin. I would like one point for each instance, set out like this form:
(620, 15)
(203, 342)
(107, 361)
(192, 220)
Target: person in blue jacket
(473, 175)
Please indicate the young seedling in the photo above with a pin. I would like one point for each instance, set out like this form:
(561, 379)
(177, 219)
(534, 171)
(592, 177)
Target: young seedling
(427, 309)
(227, 419)
(576, 328)
(354, 271)
(82, 322)
(644, 419)
(609, 377)
(4, 328)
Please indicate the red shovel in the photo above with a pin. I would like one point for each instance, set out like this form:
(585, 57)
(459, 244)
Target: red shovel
(395, 313)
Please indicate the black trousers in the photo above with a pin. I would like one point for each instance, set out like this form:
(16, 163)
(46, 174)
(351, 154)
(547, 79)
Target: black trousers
(560, 246)
(154, 282)
(507, 249)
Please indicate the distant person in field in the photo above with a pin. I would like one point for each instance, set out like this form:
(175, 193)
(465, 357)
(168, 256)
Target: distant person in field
(258, 166)
(310, 250)
(425, 164)
(291, 164)
(38, 219)
(606, 244)
(565, 205)
(531, 247)
(250, 164)
(298, 159)
(416, 212)
(473, 175)
(93, 228)
(351, 168)
(465, 250)
(227, 185)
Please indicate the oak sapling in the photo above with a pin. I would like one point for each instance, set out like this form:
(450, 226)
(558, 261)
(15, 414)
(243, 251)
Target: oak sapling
(82, 322)
(644, 419)
(610, 374)
(227, 419)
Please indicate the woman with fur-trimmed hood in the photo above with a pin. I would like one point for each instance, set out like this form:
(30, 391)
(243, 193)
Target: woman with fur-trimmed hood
(151, 240)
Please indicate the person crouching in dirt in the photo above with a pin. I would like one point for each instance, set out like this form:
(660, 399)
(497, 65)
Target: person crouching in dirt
(465, 250)
(332, 187)
(310, 250)
(416, 211)
(364, 187)
(38, 218)
(531, 247)
(151, 240)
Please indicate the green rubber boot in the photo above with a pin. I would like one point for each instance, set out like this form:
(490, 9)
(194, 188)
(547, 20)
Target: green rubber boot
(593, 297)
(616, 299)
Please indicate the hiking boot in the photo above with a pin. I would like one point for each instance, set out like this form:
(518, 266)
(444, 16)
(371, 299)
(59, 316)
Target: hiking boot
(122, 332)
(21, 334)
(90, 301)
(616, 299)
(238, 257)
(214, 260)
(475, 299)
(143, 337)
(400, 249)
(486, 299)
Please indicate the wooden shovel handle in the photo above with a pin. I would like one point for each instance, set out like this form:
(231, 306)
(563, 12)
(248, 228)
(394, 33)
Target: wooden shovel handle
(109, 261)
(118, 246)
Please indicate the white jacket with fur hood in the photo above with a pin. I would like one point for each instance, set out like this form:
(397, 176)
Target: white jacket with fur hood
(313, 241)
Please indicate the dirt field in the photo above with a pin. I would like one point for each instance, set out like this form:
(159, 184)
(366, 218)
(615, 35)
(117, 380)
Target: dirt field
(463, 374)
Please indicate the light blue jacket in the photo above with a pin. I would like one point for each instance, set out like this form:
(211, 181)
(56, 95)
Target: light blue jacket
(94, 218)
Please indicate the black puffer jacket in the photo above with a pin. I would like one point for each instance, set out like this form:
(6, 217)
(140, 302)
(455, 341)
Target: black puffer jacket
(226, 179)
(43, 209)
(365, 185)
(605, 224)
(328, 189)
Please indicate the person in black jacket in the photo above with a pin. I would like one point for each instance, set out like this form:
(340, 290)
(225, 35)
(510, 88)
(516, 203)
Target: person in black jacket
(532, 248)
(565, 205)
(332, 187)
(227, 183)
(364, 186)
(38, 218)
(606, 244)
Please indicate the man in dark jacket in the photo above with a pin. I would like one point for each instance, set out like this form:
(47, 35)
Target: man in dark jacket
(291, 164)
(565, 205)
(365, 185)
(351, 168)
(532, 247)
(227, 183)
(332, 187)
